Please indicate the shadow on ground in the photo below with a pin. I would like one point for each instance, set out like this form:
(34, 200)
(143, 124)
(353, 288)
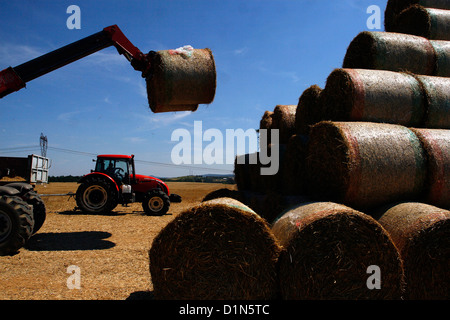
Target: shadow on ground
(65, 241)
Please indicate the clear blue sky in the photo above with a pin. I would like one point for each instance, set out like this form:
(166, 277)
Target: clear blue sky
(267, 52)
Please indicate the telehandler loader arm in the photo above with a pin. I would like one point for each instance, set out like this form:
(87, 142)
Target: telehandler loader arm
(14, 79)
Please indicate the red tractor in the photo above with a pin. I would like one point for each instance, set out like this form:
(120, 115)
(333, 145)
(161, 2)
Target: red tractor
(114, 181)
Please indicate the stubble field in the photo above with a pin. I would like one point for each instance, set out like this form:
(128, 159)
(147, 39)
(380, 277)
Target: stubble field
(108, 252)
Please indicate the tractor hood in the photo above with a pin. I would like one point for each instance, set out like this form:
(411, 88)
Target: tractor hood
(142, 178)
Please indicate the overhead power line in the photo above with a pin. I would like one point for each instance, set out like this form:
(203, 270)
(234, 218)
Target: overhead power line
(90, 154)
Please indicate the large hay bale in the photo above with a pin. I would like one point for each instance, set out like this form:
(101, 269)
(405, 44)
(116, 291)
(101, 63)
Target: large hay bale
(436, 143)
(327, 250)
(442, 49)
(436, 91)
(391, 51)
(266, 120)
(266, 124)
(395, 7)
(177, 82)
(294, 166)
(424, 22)
(421, 233)
(373, 96)
(220, 249)
(364, 164)
(307, 109)
(283, 119)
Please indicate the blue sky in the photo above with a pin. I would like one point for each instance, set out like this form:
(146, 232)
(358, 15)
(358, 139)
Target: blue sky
(267, 52)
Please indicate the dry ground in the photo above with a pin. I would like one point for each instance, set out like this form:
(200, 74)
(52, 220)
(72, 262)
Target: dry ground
(111, 251)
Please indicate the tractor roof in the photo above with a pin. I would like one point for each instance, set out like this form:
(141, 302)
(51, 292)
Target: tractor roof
(115, 156)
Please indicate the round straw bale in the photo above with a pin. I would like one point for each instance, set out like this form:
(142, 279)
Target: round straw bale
(284, 120)
(179, 83)
(364, 164)
(436, 143)
(421, 233)
(394, 7)
(266, 120)
(307, 109)
(220, 249)
(437, 98)
(425, 22)
(373, 96)
(294, 169)
(391, 51)
(327, 251)
(442, 49)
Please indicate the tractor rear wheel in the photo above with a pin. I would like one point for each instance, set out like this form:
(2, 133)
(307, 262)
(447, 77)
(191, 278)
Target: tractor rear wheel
(156, 203)
(96, 195)
(16, 224)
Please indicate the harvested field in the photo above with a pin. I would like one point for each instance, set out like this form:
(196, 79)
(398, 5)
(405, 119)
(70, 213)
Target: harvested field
(110, 250)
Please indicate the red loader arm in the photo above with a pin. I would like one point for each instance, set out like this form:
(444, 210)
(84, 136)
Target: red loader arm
(14, 79)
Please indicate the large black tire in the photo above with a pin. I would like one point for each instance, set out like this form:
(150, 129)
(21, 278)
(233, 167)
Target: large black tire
(97, 196)
(39, 211)
(16, 224)
(156, 203)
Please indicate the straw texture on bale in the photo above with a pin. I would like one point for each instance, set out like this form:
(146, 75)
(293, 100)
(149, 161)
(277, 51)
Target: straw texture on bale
(425, 22)
(364, 164)
(307, 109)
(436, 143)
(373, 96)
(391, 51)
(327, 250)
(244, 168)
(178, 83)
(442, 49)
(220, 249)
(283, 119)
(421, 233)
(294, 165)
(436, 91)
(395, 7)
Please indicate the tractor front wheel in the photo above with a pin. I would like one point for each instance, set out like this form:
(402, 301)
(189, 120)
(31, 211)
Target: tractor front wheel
(156, 203)
(96, 196)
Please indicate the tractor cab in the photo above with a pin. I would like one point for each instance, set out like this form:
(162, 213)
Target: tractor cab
(118, 167)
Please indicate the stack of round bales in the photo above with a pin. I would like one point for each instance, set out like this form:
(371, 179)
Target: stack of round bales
(330, 251)
(219, 249)
(421, 233)
(364, 164)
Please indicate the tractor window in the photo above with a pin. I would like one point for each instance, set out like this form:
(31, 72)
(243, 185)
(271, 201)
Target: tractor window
(115, 168)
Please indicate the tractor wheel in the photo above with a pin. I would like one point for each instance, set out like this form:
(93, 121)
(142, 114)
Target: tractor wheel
(96, 195)
(156, 203)
(16, 224)
(39, 211)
